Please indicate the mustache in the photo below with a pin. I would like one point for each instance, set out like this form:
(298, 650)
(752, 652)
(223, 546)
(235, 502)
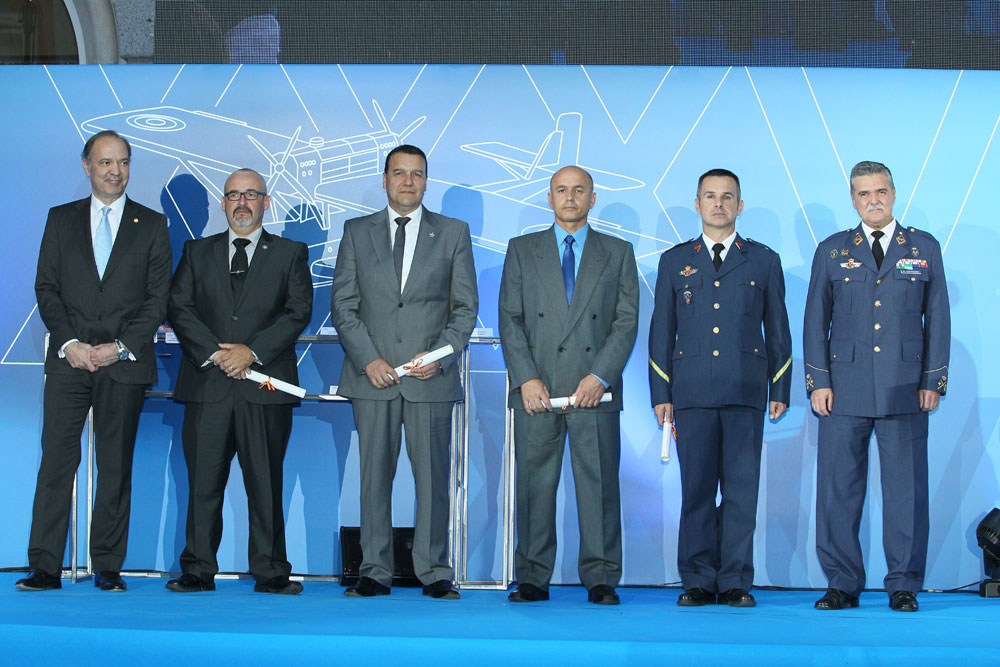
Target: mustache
(875, 207)
(242, 209)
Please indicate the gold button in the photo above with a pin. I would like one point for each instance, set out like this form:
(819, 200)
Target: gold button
(752, 283)
(878, 304)
(717, 283)
(834, 356)
(715, 353)
(878, 349)
(755, 350)
(680, 353)
(913, 280)
(847, 280)
(877, 326)
(716, 306)
(715, 329)
(878, 282)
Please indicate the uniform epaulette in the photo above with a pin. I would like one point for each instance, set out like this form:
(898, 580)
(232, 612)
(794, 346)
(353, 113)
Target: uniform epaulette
(759, 244)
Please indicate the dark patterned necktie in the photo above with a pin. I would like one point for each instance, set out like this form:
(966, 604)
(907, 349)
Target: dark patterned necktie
(239, 266)
(398, 246)
(569, 267)
(717, 256)
(877, 248)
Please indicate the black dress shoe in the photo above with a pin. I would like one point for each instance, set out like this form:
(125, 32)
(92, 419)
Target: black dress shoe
(38, 580)
(280, 585)
(366, 588)
(737, 597)
(528, 593)
(696, 597)
(603, 594)
(834, 598)
(109, 581)
(442, 589)
(189, 583)
(903, 601)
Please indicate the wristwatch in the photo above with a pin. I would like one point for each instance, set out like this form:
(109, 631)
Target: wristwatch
(122, 351)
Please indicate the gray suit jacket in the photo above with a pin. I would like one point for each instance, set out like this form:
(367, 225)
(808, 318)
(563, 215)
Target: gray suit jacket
(374, 320)
(544, 337)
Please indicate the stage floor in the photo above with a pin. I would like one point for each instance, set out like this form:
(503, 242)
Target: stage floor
(149, 625)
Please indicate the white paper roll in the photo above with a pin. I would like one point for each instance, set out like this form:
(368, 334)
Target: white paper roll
(567, 401)
(286, 387)
(428, 358)
(665, 444)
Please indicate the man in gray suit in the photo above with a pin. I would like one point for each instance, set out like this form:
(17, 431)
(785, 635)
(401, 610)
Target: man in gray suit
(405, 284)
(569, 304)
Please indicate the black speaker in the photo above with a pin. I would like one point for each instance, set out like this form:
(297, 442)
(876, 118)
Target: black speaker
(402, 547)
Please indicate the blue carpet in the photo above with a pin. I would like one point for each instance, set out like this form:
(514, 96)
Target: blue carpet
(148, 625)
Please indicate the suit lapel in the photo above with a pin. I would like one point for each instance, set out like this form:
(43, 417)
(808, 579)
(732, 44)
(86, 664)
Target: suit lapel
(426, 238)
(221, 251)
(379, 232)
(128, 230)
(733, 258)
(862, 251)
(80, 236)
(260, 256)
(592, 263)
(897, 249)
(548, 266)
(701, 259)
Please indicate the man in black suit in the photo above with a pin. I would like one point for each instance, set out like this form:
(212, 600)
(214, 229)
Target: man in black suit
(102, 283)
(239, 301)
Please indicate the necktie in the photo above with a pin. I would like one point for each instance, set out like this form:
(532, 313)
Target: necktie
(102, 242)
(717, 256)
(398, 246)
(239, 267)
(569, 267)
(877, 248)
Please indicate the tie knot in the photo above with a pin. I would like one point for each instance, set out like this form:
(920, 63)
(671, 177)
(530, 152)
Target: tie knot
(877, 234)
(241, 243)
(401, 221)
(569, 240)
(105, 211)
(718, 248)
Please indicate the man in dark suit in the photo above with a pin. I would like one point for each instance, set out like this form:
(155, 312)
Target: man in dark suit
(877, 334)
(569, 305)
(719, 348)
(239, 301)
(102, 283)
(405, 284)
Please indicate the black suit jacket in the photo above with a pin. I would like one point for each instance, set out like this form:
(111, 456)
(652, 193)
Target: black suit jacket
(128, 303)
(274, 307)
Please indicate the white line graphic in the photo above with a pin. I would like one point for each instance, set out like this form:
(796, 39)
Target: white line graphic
(226, 89)
(847, 180)
(65, 106)
(638, 120)
(105, 74)
(299, 97)
(353, 94)
(535, 86)
(455, 112)
(400, 105)
(16, 336)
(172, 82)
(982, 158)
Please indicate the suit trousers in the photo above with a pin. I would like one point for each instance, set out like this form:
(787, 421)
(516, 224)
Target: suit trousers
(595, 454)
(718, 449)
(428, 445)
(841, 484)
(67, 399)
(258, 436)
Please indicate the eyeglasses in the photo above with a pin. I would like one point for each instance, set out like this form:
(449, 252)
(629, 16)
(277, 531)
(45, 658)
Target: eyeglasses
(249, 195)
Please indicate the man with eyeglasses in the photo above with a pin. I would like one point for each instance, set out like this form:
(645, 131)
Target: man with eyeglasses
(102, 283)
(239, 301)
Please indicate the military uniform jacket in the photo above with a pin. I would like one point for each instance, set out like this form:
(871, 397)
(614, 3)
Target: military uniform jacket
(877, 336)
(719, 338)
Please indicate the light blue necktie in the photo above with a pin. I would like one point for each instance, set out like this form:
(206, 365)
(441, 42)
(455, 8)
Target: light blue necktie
(569, 267)
(102, 242)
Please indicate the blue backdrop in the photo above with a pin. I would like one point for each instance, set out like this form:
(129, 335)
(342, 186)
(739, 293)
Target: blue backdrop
(493, 136)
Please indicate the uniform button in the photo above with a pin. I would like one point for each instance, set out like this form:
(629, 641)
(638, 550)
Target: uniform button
(834, 356)
(913, 280)
(877, 326)
(878, 304)
(847, 280)
(755, 350)
(680, 353)
(878, 282)
(752, 283)
(715, 329)
(878, 349)
(716, 306)
(717, 283)
(715, 353)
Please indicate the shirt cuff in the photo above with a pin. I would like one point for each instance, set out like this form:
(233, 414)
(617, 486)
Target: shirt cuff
(606, 385)
(62, 350)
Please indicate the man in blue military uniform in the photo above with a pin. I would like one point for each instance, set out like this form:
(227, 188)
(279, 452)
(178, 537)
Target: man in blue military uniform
(719, 344)
(876, 338)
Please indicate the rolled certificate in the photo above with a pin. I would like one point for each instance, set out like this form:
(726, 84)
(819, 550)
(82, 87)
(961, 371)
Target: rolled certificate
(665, 444)
(266, 381)
(428, 358)
(566, 401)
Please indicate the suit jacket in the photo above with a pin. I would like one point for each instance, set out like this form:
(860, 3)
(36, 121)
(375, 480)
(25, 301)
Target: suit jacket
(274, 306)
(719, 338)
(128, 303)
(877, 336)
(437, 308)
(544, 337)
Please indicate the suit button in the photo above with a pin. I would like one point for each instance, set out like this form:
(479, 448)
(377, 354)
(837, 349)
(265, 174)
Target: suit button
(715, 305)
(878, 304)
(562, 349)
(399, 340)
(235, 318)
(717, 283)
(587, 350)
(101, 288)
(593, 317)
(847, 280)
(400, 304)
(541, 314)
(878, 349)
(99, 317)
(715, 353)
(877, 326)
(715, 329)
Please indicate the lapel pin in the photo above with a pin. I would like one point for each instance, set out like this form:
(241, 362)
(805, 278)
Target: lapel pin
(263, 247)
(915, 251)
(431, 234)
(833, 254)
(857, 239)
(900, 239)
(739, 244)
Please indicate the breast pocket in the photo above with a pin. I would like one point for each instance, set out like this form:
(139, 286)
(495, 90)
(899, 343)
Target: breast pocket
(753, 296)
(687, 293)
(847, 285)
(910, 288)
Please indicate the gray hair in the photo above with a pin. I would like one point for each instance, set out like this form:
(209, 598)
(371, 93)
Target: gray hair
(869, 168)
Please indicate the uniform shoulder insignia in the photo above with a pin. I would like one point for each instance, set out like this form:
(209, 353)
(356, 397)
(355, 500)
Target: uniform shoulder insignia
(759, 244)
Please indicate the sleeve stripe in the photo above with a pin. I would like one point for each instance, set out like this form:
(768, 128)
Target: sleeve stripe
(660, 372)
(782, 371)
(943, 368)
